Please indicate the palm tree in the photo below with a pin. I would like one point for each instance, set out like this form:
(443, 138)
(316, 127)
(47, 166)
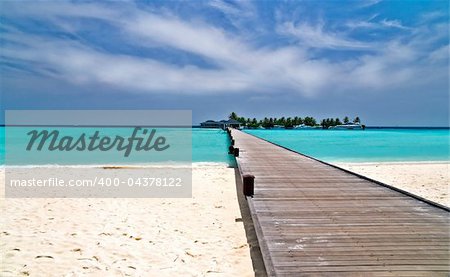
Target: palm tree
(288, 123)
(346, 120)
(357, 120)
(332, 122)
(233, 115)
(268, 123)
(310, 121)
(324, 124)
(338, 121)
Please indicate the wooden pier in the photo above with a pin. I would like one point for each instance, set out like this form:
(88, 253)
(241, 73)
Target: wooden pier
(312, 218)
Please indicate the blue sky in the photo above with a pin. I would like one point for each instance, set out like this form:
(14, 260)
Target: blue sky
(385, 61)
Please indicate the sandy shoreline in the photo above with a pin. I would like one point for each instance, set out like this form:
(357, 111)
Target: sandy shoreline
(202, 236)
(429, 180)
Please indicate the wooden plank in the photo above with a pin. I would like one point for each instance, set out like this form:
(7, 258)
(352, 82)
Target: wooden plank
(412, 273)
(364, 257)
(356, 253)
(315, 219)
(361, 268)
(373, 262)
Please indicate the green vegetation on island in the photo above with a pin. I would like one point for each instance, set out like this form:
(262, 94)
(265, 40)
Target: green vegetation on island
(294, 122)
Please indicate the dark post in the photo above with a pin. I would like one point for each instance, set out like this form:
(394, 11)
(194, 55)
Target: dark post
(231, 149)
(232, 141)
(236, 152)
(248, 182)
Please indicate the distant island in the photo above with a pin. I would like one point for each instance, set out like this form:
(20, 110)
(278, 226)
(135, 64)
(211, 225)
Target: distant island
(296, 122)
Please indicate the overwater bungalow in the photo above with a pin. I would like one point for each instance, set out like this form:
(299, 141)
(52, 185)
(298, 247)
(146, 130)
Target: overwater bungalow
(222, 124)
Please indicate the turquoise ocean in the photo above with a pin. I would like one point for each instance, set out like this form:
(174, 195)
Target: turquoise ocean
(370, 145)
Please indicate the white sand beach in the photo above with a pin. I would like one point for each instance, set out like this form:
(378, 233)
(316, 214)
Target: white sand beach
(202, 236)
(429, 180)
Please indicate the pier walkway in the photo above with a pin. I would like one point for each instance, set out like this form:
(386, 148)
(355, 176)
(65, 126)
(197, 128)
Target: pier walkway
(315, 219)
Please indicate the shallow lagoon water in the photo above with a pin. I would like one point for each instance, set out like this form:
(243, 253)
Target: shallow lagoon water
(370, 145)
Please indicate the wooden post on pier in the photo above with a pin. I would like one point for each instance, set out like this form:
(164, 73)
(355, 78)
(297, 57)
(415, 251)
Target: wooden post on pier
(236, 152)
(248, 181)
(231, 149)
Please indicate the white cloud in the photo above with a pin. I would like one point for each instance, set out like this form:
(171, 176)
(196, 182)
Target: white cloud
(369, 3)
(430, 16)
(226, 8)
(440, 54)
(239, 14)
(362, 24)
(240, 65)
(194, 37)
(393, 23)
(373, 2)
(370, 24)
(316, 36)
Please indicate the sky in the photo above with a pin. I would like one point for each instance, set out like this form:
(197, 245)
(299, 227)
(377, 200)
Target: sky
(384, 61)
